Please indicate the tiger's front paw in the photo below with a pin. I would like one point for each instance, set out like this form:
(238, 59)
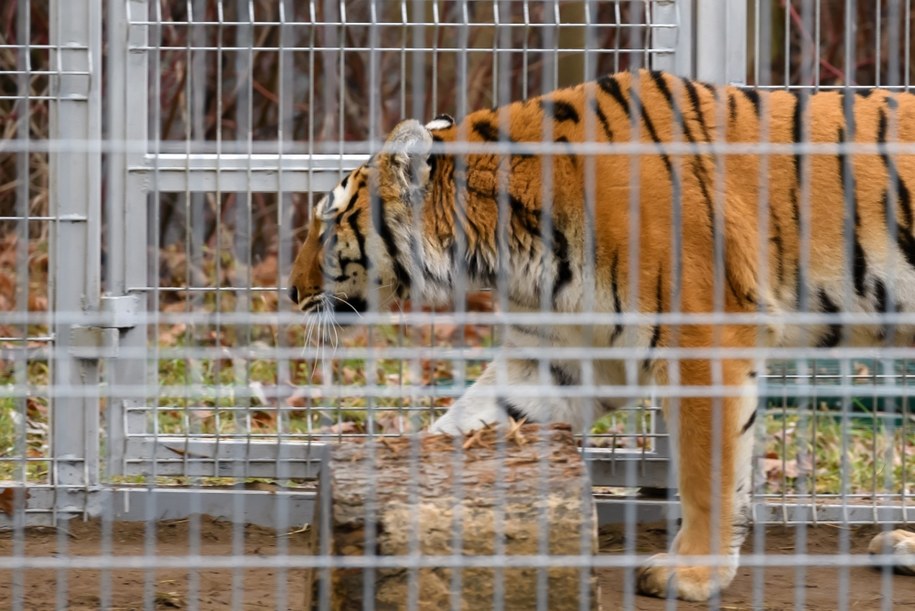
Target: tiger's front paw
(460, 420)
(658, 577)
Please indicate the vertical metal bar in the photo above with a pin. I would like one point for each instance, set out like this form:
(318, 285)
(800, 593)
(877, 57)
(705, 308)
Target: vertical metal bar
(244, 79)
(75, 196)
(720, 50)
(74, 199)
(126, 106)
(285, 135)
(848, 242)
(679, 39)
(21, 375)
(153, 14)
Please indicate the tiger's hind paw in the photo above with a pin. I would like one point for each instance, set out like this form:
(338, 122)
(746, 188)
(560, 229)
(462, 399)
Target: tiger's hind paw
(658, 577)
(896, 543)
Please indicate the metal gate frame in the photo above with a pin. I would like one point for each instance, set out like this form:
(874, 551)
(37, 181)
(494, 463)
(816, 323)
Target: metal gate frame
(135, 172)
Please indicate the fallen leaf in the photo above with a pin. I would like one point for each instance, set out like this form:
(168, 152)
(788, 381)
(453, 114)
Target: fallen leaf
(9, 495)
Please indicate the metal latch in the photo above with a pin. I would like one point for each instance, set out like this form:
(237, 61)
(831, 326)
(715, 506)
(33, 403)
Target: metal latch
(93, 343)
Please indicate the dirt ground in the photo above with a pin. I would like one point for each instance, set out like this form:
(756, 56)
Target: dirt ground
(170, 588)
(818, 590)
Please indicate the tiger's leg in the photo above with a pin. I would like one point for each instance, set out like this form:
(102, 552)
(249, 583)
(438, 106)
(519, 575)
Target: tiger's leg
(714, 446)
(495, 398)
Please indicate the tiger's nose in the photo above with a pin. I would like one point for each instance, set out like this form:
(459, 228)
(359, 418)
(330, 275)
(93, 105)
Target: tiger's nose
(294, 294)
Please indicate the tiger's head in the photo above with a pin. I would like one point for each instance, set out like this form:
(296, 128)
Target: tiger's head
(362, 248)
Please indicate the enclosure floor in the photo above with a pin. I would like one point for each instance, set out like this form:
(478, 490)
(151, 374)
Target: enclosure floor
(781, 587)
(820, 588)
(168, 587)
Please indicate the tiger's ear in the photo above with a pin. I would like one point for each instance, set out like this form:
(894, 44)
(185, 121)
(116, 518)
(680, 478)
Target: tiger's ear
(405, 155)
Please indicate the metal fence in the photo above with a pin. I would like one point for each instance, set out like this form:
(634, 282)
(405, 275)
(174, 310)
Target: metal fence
(153, 368)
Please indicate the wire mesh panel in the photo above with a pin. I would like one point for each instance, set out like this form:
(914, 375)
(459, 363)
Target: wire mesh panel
(49, 329)
(858, 407)
(236, 289)
(240, 146)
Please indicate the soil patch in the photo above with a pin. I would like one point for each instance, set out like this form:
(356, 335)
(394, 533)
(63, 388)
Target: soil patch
(771, 588)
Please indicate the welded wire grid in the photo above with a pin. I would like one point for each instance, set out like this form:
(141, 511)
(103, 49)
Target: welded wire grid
(225, 122)
(227, 85)
(26, 222)
(815, 46)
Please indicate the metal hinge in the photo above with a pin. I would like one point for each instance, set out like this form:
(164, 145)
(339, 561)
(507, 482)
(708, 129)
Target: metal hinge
(101, 341)
(120, 311)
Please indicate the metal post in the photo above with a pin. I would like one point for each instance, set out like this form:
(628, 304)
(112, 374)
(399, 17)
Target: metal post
(721, 41)
(126, 106)
(75, 199)
(679, 37)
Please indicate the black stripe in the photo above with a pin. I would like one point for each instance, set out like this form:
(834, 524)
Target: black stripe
(880, 295)
(612, 88)
(614, 288)
(559, 110)
(564, 269)
(444, 117)
(834, 335)
(595, 105)
(353, 221)
(904, 239)
(779, 253)
(860, 268)
(907, 246)
(652, 132)
(390, 245)
(864, 93)
(752, 95)
(513, 412)
(732, 107)
(699, 171)
(341, 277)
(883, 306)
(488, 132)
(847, 180)
(895, 180)
(797, 134)
(656, 329)
(561, 376)
(749, 423)
(529, 222)
(527, 218)
(709, 87)
(696, 105)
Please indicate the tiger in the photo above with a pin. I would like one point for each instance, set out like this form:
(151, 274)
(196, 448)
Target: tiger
(655, 218)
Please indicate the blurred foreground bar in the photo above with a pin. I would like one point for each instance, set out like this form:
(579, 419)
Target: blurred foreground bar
(521, 490)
